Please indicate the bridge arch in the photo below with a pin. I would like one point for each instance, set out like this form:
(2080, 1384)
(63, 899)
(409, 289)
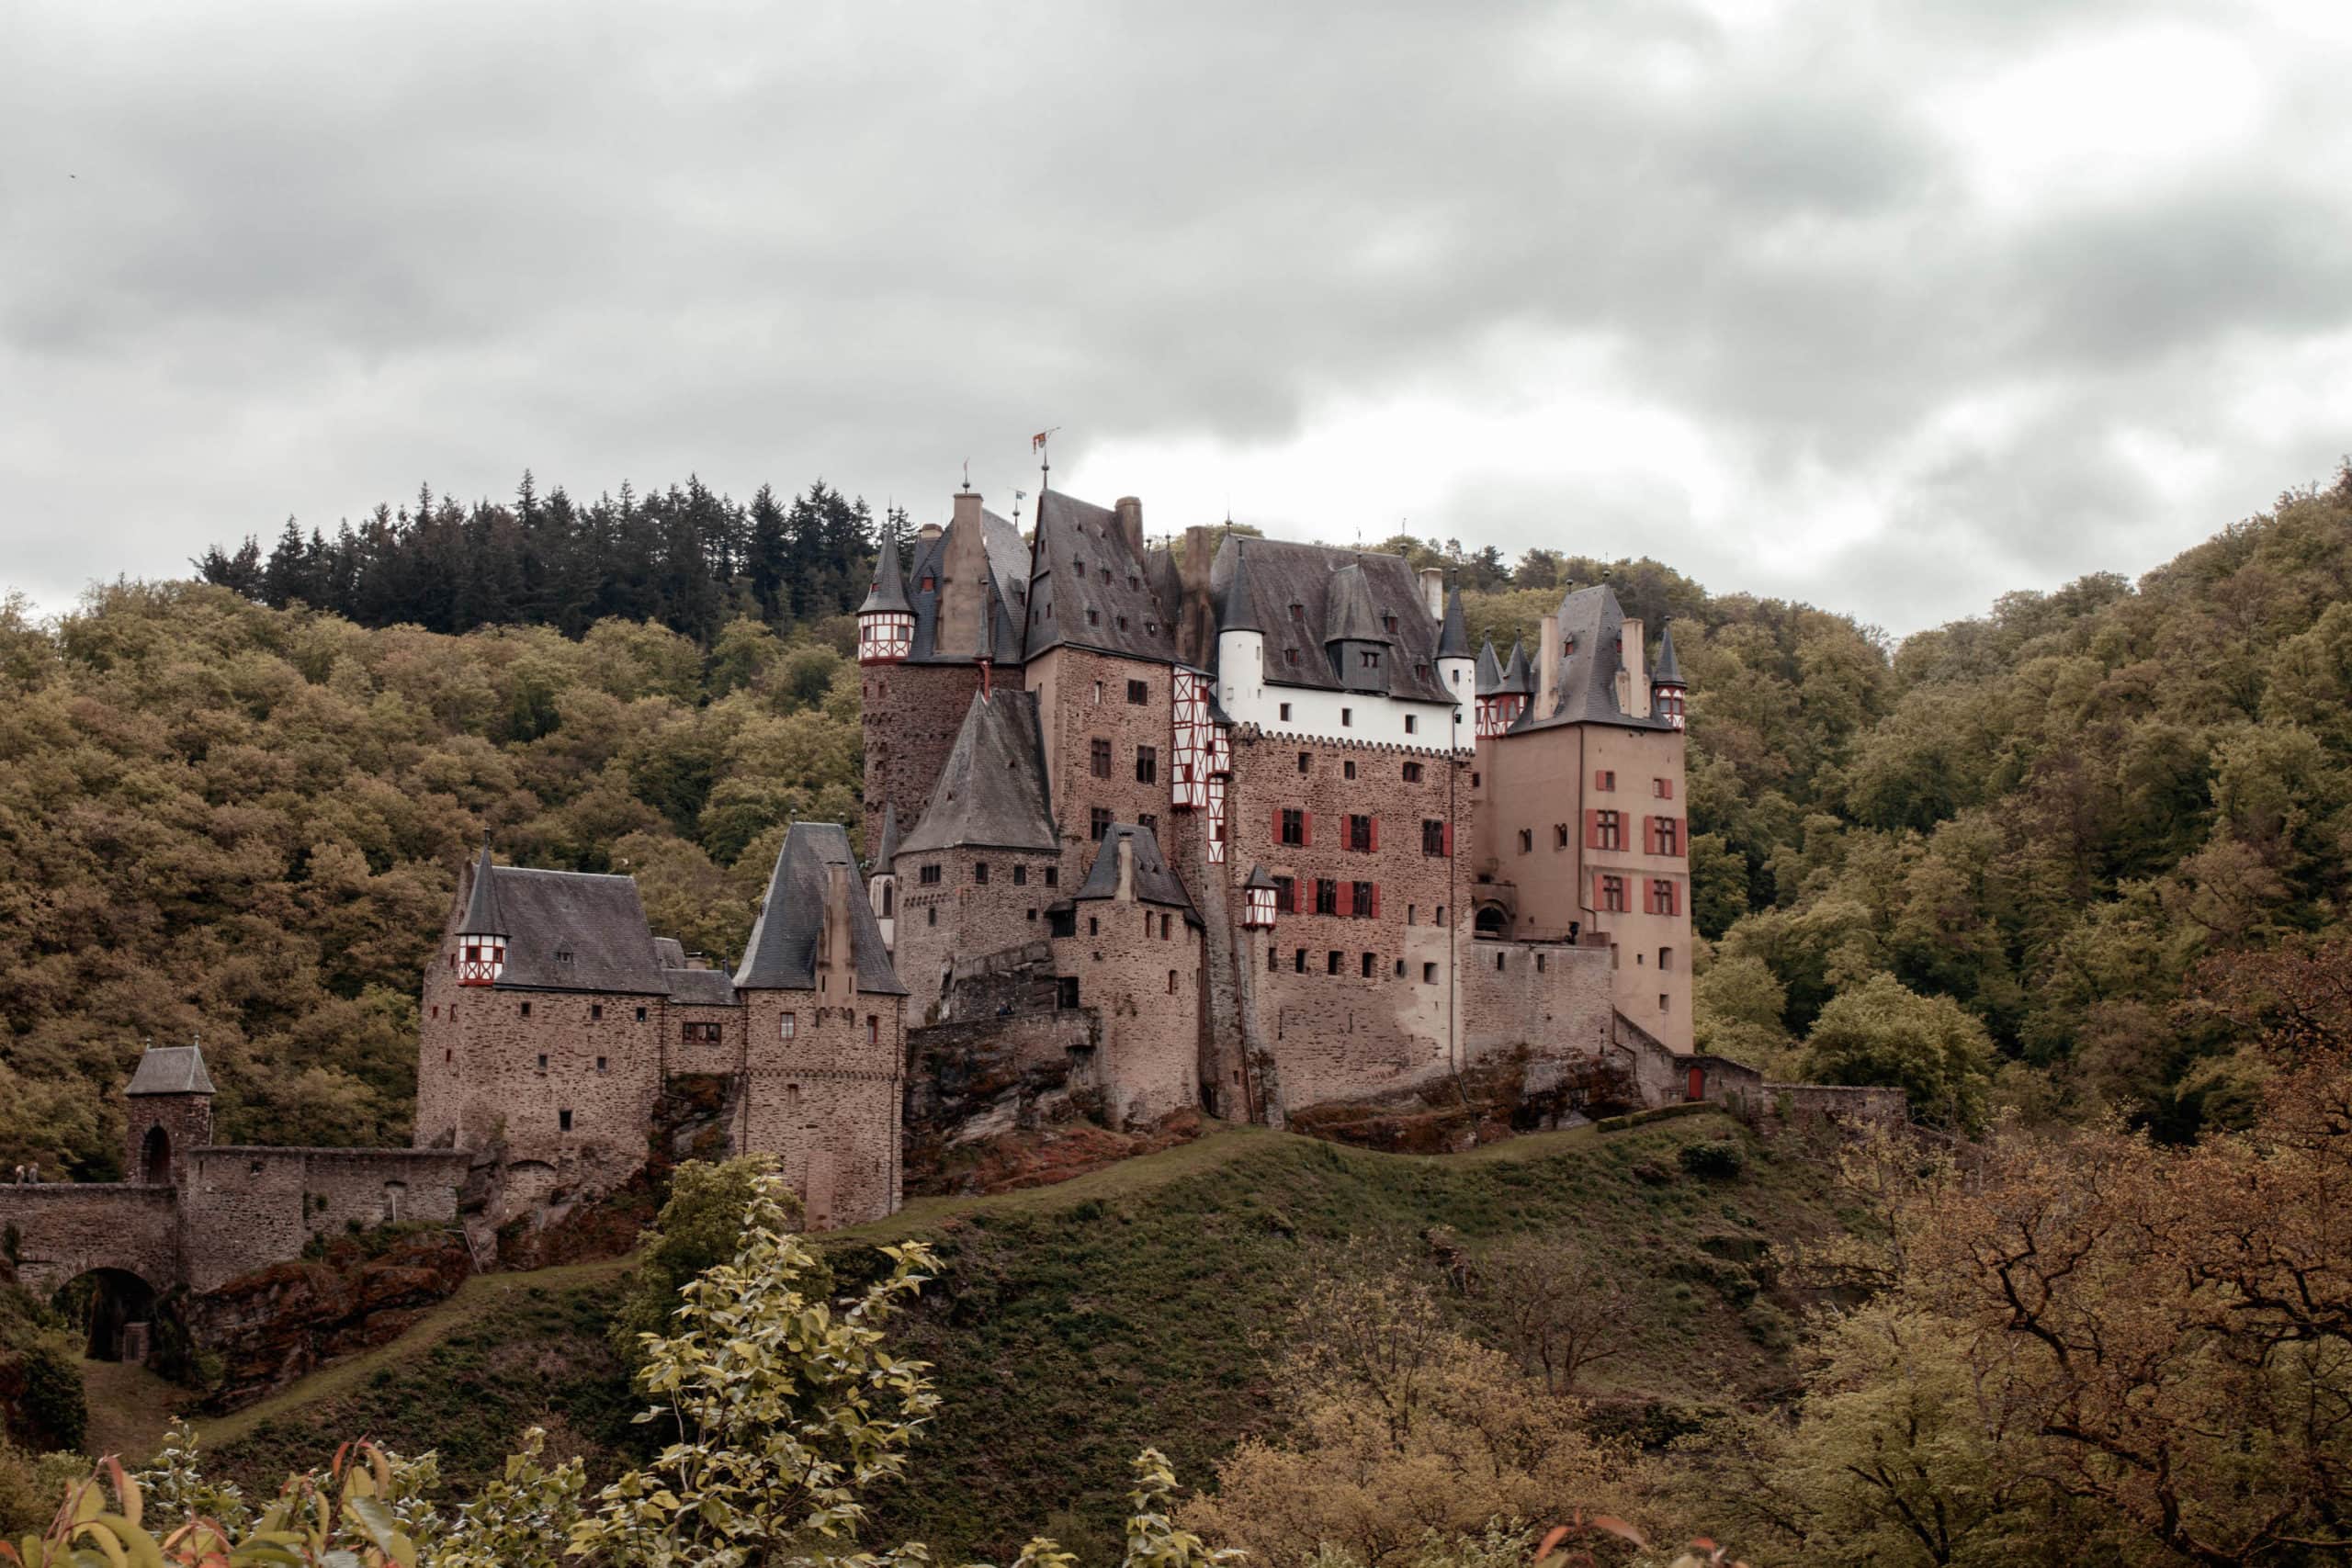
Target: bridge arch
(54, 1232)
(113, 1309)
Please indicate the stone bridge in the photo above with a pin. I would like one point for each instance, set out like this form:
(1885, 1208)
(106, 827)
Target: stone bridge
(54, 1232)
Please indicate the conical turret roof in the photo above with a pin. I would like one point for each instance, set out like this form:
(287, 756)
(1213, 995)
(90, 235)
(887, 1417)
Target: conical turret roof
(1516, 677)
(1669, 669)
(889, 594)
(483, 916)
(1453, 638)
(991, 790)
(1240, 612)
(1490, 670)
(888, 849)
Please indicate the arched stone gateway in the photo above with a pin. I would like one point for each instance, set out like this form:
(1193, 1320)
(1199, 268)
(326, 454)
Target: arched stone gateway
(115, 1311)
(57, 1232)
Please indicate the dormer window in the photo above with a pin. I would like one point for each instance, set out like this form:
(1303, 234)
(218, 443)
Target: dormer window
(1133, 582)
(1371, 660)
(1420, 672)
(1290, 656)
(1094, 617)
(929, 582)
(1106, 573)
(1389, 623)
(563, 955)
(1082, 567)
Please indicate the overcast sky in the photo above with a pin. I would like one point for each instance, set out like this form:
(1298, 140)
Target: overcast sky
(1893, 307)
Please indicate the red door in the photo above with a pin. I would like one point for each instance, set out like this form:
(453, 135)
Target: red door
(1698, 1083)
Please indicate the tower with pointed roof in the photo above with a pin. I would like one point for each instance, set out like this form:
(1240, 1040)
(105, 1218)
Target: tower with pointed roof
(886, 621)
(1668, 691)
(167, 1114)
(482, 936)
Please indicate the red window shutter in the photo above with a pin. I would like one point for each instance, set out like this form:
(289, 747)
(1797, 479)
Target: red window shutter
(1592, 831)
(1670, 787)
(1595, 890)
(1682, 838)
(1650, 896)
(1376, 844)
(1649, 835)
(1375, 900)
(1446, 841)
(1305, 827)
(1278, 824)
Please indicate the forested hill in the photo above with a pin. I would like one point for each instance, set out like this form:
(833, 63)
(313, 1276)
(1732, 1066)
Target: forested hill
(225, 817)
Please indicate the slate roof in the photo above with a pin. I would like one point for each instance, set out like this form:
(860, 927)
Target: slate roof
(1283, 574)
(1239, 612)
(1490, 671)
(1259, 877)
(1124, 594)
(1517, 677)
(1008, 560)
(703, 988)
(888, 849)
(597, 920)
(1155, 882)
(991, 790)
(1669, 669)
(889, 590)
(669, 953)
(1348, 615)
(483, 916)
(171, 1069)
(1591, 633)
(1453, 638)
(782, 952)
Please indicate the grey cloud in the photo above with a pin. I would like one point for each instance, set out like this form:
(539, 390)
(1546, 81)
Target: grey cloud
(316, 255)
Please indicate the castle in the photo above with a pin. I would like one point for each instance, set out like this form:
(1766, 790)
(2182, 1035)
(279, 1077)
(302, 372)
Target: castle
(1228, 824)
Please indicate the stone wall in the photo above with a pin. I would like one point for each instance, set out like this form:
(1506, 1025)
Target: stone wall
(911, 716)
(185, 1121)
(243, 1208)
(825, 1099)
(1344, 1035)
(57, 1231)
(1081, 698)
(943, 922)
(1552, 997)
(1799, 1104)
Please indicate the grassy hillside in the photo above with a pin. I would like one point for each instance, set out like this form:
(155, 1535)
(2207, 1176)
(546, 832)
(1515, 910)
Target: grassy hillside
(1075, 1325)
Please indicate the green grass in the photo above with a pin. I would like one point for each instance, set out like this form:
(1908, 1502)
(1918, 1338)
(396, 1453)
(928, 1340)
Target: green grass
(1072, 1325)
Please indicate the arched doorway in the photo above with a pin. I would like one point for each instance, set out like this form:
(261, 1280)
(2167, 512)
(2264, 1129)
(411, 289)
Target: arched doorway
(1491, 921)
(155, 1157)
(115, 1311)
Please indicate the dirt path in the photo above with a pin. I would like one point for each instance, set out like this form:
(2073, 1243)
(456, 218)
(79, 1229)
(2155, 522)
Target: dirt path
(130, 1407)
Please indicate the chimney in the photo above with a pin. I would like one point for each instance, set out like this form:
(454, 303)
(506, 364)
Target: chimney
(1126, 868)
(1196, 617)
(1433, 591)
(928, 533)
(1130, 512)
(1632, 672)
(1547, 668)
(836, 951)
(963, 629)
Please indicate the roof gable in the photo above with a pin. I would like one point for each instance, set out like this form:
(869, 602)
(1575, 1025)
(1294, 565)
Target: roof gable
(782, 952)
(1089, 590)
(991, 791)
(571, 930)
(1155, 881)
(1290, 589)
(170, 1069)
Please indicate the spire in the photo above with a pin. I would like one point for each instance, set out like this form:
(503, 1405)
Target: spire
(1490, 670)
(482, 915)
(1453, 638)
(889, 594)
(888, 849)
(1669, 670)
(1241, 610)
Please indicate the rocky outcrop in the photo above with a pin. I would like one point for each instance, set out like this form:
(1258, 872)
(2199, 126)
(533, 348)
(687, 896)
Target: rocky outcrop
(276, 1323)
(1445, 1114)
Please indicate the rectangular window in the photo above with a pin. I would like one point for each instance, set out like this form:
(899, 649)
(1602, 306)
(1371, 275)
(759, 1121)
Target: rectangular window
(1305, 761)
(1298, 961)
(1093, 925)
(1666, 897)
(1612, 895)
(1287, 894)
(1021, 877)
(563, 1120)
(1146, 764)
(1526, 840)
(1138, 693)
(1331, 961)
(1664, 959)
(699, 1033)
(1347, 770)
(1149, 822)
(1428, 974)
(1098, 757)
(1662, 789)
(1605, 832)
(1363, 900)
(527, 1010)
(1663, 1004)
(600, 1064)
(640, 1015)
(1273, 961)
(980, 873)
(1171, 982)
(1605, 779)
(789, 1026)
(1347, 718)
(928, 875)
(1053, 876)
(595, 1011)
(873, 1029)
(1559, 835)
(1665, 835)
(1412, 773)
(1292, 826)
(1286, 713)
(1359, 834)
(1369, 960)
(1098, 823)
(1327, 895)
(1412, 723)
(1437, 836)
(543, 1061)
